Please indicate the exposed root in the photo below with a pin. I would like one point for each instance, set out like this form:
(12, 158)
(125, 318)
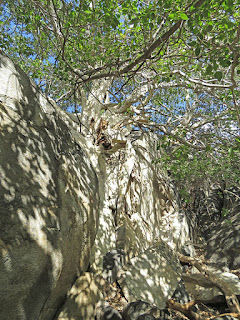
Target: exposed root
(231, 299)
(185, 309)
(235, 315)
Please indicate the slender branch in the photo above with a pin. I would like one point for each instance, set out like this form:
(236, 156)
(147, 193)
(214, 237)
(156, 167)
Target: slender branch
(237, 108)
(203, 82)
(63, 96)
(234, 194)
(54, 19)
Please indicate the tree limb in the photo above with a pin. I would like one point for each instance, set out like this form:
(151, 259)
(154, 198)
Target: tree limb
(147, 54)
(230, 297)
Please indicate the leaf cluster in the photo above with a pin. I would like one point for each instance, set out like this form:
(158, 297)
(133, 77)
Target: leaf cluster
(173, 66)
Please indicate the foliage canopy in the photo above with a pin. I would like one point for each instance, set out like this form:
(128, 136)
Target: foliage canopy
(170, 66)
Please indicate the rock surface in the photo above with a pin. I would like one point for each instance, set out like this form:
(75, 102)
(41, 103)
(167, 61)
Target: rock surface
(111, 314)
(137, 309)
(216, 212)
(180, 294)
(223, 246)
(66, 202)
(112, 262)
(83, 297)
(146, 316)
(151, 276)
(48, 201)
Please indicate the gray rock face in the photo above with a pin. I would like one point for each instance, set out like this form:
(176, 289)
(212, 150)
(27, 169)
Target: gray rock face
(151, 276)
(217, 219)
(188, 249)
(180, 294)
(139, 203)
(112, 262)
(48, 201)
(223, 246)
(111, 314)
(134, 309)
(83, 298)
(143, 310)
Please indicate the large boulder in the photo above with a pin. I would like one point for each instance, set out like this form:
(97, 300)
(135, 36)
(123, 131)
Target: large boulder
(216, 216)
(111, 314)
(48, 200)
(223, 246)
(83, 297)
(87, 299)
(152, 276)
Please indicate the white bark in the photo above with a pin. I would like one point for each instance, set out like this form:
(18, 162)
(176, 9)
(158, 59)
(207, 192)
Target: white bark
(93, 104)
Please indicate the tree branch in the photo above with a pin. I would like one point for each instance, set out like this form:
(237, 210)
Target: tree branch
(147, 54)
(230, 297)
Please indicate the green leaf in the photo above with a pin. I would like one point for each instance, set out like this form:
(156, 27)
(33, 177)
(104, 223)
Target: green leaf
(172, 16)
(230, 152)
(192, 43)
(224, 62)
(197, 51)
(215, 65)
(218, 75)
(183, 16)
(209, 69)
